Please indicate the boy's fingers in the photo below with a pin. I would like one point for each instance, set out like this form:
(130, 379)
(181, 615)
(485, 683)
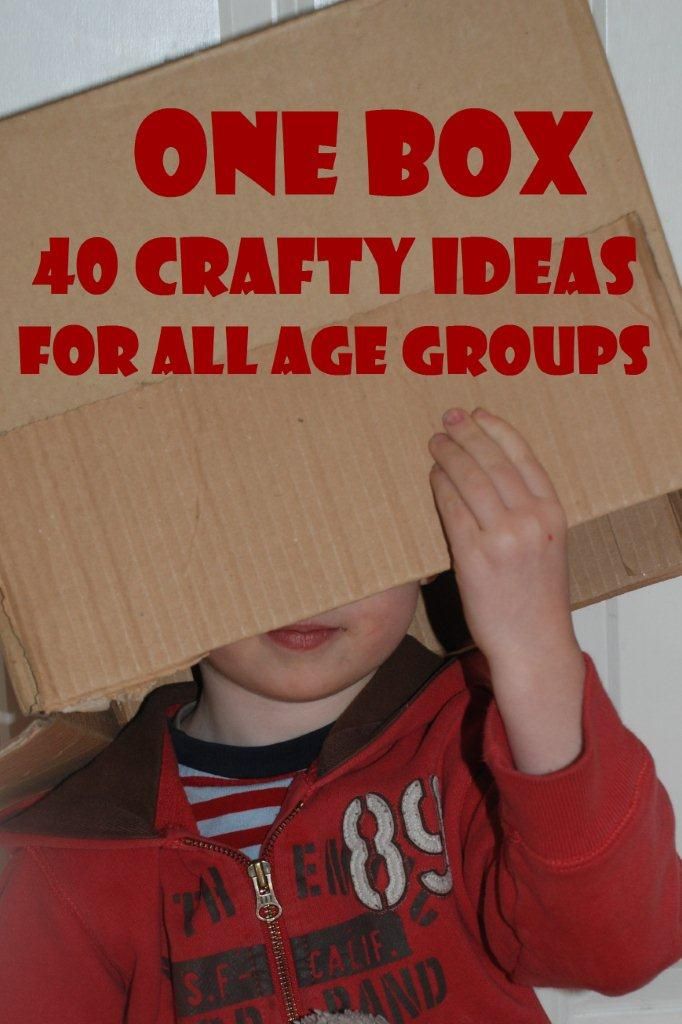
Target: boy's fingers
(518, 451)
(458, 522)
(471, 482)
(491, 457)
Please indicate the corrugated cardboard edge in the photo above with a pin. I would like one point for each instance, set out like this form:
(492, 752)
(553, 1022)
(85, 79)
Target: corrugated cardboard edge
(52, 747)
(630, 548)
(49, 749)
(126, 704)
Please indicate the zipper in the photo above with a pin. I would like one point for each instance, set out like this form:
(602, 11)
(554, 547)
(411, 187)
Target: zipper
(268, 908)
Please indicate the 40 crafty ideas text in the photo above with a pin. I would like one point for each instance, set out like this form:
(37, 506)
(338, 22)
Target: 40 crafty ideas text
(294, 153)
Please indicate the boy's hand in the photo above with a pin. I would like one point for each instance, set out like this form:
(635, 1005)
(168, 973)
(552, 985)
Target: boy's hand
(507, 534)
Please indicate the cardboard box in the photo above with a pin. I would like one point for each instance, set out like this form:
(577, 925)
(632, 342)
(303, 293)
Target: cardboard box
(148, 522)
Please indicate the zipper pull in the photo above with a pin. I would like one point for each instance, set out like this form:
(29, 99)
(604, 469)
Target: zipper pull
(268, 907)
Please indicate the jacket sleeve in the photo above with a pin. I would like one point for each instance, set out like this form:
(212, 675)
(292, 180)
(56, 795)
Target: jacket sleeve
(52, 969)
(574, 874)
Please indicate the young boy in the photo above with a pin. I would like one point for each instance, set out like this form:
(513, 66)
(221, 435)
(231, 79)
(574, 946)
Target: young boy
(345, 822)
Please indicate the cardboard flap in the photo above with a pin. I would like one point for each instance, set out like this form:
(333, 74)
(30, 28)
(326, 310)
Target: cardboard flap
(627, 549)
(50, 749)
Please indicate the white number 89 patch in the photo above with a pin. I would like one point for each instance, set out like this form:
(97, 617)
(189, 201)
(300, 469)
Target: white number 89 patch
(388, 850)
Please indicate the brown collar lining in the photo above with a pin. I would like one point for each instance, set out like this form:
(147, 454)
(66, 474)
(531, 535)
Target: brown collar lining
(391, 687)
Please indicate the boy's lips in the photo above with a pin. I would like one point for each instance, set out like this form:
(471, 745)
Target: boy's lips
(303, 636)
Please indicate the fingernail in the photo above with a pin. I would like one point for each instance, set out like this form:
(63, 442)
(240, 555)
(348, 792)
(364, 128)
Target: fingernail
(453, 416)
(481, 412)
(440, 437)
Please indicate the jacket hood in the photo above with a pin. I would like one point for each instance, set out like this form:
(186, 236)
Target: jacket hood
(115, 796)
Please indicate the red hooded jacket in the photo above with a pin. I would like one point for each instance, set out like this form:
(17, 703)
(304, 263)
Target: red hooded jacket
(412, 873)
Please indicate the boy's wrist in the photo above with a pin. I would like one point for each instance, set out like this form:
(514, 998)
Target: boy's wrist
(536, 663)
(540, 698)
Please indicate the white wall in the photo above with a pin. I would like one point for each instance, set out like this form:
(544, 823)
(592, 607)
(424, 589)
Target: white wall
(636, 639)
(56, 47)
(53, 48)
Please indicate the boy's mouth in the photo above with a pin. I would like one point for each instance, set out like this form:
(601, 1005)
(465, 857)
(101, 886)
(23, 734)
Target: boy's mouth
(303, 636)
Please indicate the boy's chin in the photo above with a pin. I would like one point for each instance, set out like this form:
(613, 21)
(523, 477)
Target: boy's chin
(294, 670)
(303, 691)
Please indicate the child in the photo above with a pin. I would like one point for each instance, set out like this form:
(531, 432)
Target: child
(357, 825)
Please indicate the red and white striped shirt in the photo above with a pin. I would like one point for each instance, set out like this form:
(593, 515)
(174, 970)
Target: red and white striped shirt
(237, 792)
(237, 812)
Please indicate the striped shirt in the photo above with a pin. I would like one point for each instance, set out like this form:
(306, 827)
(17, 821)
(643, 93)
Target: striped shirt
(237, 812)
(236, 793)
